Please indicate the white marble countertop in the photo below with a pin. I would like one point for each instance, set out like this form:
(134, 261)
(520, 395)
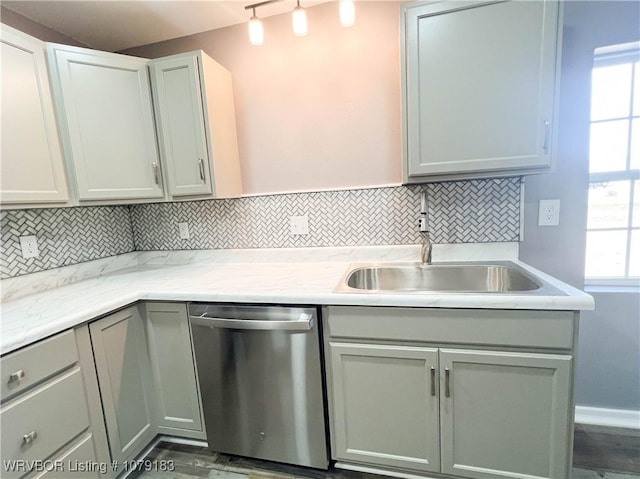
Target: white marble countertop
(41, 304)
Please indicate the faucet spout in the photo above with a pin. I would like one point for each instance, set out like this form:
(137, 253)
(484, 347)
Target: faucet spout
(425, 251)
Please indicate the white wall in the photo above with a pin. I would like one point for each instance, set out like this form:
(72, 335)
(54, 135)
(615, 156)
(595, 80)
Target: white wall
(317, 112)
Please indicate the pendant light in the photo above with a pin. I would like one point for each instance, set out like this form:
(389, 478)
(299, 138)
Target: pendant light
(256, 30)
(347, 13)
(299, 19)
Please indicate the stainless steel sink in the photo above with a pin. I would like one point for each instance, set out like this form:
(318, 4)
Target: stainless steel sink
(495, 277)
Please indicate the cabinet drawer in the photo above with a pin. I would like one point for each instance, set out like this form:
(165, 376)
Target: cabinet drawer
(28, 366)
(77, 461)
(52, 415)
(513, 328)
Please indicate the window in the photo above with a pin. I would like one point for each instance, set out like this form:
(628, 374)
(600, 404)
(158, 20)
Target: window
(613, 224)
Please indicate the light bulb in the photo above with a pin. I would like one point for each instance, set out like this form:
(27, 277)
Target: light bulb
(347, 13)
(256, 31)
(299, 17)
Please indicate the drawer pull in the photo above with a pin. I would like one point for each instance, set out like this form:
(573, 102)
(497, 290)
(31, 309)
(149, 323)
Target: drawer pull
(16, 377)
(28, 439)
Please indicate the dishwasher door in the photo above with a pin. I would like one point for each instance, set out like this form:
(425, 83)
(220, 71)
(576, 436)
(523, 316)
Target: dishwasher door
(259, 369)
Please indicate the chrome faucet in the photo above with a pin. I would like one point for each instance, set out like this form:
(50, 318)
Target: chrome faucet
(425, 252)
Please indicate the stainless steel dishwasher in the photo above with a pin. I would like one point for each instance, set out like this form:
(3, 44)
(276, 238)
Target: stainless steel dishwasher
(260, 377)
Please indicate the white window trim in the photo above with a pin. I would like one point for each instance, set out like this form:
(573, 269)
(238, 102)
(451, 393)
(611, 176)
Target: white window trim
(610, 56)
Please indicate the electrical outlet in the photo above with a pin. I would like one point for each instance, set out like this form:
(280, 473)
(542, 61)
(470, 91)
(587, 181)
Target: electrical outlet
(183, 229)
(300, 225)
(29, 246)
(549, 213)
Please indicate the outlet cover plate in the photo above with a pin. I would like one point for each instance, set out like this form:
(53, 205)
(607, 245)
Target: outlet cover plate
(183, 229)
(300, 225)
(29, 246)
(549, 213)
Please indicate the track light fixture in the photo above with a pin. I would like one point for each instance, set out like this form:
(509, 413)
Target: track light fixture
(298, 19)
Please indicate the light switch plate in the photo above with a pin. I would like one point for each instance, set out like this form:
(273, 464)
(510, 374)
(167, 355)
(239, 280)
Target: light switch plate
(549, 213)
(300, 225)
(29, 246)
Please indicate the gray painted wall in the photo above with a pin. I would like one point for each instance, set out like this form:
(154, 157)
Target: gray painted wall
(608, 367)
(22, 23)
(609, 353)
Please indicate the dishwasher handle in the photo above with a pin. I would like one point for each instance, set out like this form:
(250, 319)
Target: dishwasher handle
(303, 323)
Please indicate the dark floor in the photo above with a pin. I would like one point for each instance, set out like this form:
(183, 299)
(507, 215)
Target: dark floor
(607, 449)
(599, 453)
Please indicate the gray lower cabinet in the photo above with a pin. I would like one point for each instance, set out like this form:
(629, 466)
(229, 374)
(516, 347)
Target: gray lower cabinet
(175, 387)
(504, 414)
(51, 424)
(385, 407)
(124, 374)
(472, 410)
(90, 398)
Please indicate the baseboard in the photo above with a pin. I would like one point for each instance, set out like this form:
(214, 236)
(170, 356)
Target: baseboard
(596, 416)
(381, 471)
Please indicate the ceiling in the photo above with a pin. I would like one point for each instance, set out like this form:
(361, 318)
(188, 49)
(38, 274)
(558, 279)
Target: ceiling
(114, 25)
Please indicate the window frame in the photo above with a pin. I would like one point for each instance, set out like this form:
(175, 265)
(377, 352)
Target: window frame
(629, 53)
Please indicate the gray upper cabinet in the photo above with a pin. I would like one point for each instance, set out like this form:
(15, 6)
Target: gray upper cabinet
(193, 96)
(32, 165)
(105, 114)
(479, 88)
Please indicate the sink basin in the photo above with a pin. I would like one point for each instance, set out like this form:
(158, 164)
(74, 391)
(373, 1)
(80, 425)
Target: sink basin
(438, 278)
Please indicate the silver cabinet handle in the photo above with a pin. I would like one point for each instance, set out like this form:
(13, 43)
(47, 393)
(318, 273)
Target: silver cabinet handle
(447, 390)
(28, 439)
(545, 144)
(433, 381)
(155, 172)
(16, 377)
(201, 166)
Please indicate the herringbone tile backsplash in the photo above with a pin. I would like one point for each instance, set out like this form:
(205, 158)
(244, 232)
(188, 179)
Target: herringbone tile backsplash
(65, 236)
(459, 212)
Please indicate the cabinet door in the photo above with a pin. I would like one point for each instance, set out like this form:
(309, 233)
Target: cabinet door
(107, 113)
(480, 82)
(178, 100)
(385, 407)
(124, 374)
(32, 167)
(175, 389)
(505, 414)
